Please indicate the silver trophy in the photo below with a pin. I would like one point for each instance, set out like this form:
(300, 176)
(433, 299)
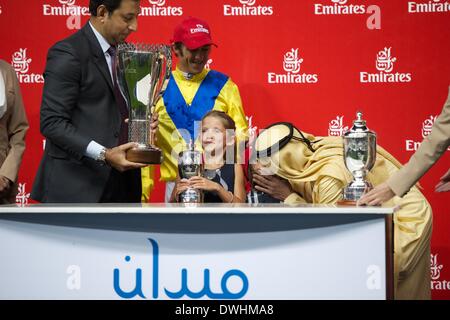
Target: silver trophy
(360, 150)
(190, 164)
(142, 73)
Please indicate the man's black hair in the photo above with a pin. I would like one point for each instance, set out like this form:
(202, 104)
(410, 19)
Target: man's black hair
(110, 5)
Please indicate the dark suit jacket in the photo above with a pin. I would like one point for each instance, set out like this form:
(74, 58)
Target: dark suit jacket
(78, 105)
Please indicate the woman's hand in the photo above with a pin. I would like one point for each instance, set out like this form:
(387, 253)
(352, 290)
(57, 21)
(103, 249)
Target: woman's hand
(203, 184)
(444, 183)
(377, 195)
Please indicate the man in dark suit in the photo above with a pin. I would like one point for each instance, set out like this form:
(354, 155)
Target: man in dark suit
(83, 114)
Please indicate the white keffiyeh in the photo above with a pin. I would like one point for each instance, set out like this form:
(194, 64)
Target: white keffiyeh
(3, 100)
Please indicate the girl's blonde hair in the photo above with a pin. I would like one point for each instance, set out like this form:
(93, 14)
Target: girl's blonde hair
(227, 122)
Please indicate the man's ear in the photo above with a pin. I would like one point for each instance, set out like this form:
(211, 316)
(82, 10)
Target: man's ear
(102, 12)
(177, 51)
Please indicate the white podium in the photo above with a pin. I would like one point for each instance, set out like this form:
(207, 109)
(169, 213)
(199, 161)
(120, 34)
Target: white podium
(152, 252)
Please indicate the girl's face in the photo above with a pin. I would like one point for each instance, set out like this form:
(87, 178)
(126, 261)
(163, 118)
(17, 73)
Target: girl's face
(213, 135)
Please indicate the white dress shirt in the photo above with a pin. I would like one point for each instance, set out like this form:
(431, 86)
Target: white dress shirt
(3, 100)
(93, 149)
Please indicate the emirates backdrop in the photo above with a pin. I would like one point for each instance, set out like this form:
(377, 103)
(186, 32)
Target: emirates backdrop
(312, 62)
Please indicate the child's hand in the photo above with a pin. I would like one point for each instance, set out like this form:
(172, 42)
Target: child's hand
(181, 186)
(203, 184)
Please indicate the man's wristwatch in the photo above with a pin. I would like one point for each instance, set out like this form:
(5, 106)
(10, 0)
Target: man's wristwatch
(102, 156)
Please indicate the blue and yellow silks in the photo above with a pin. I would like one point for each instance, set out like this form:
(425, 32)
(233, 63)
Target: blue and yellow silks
(180, 111)
(186, 117)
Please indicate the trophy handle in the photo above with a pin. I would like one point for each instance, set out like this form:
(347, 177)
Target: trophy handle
(152, 141)
(152, 137)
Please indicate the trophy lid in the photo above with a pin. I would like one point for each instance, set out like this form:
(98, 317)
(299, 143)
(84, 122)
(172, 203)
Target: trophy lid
(359, 126)
(190, 145)
(190, 152)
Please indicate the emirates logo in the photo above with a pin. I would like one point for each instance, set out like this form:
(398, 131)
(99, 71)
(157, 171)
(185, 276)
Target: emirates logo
(435, 267)
(336, 127)
(252, 130)
(291, 65)
(159, 3)
(199, 28)
(384, 64)
(340, 7)
(248, 2)
(160, 8)
(67, 8)
(292, 61)
(67, 2)
(384, 61)
(427, 126)
(20, 62)
(247, 8)
(427, 6)
(22, 197)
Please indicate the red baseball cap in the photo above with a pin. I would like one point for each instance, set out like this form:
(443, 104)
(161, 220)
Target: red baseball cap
(193, 33)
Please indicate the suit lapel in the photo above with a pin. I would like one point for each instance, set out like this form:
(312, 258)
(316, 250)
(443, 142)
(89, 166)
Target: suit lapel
(99, 56)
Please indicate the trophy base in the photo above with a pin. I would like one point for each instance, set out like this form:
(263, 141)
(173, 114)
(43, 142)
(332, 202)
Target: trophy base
(354, 191)
(191, 196)
(148, 155)
(346, 203)
(352, 203)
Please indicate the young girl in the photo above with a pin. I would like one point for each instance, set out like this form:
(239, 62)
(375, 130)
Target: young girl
(223, 179)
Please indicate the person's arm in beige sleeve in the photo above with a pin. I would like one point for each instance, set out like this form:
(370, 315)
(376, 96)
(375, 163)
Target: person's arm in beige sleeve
(17, 127)
(430, 150)
(428, 153)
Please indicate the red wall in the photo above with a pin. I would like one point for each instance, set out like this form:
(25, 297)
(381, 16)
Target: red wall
(335, 49)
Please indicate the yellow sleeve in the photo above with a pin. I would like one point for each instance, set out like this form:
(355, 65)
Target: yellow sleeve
(169, 141)
(148, 173)
(293, 199)
(327, 190)
(148, 183)
(230, 102)
(236, 112)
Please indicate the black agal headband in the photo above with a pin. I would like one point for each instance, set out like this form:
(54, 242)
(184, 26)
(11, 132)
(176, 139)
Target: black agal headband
(281, 141)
